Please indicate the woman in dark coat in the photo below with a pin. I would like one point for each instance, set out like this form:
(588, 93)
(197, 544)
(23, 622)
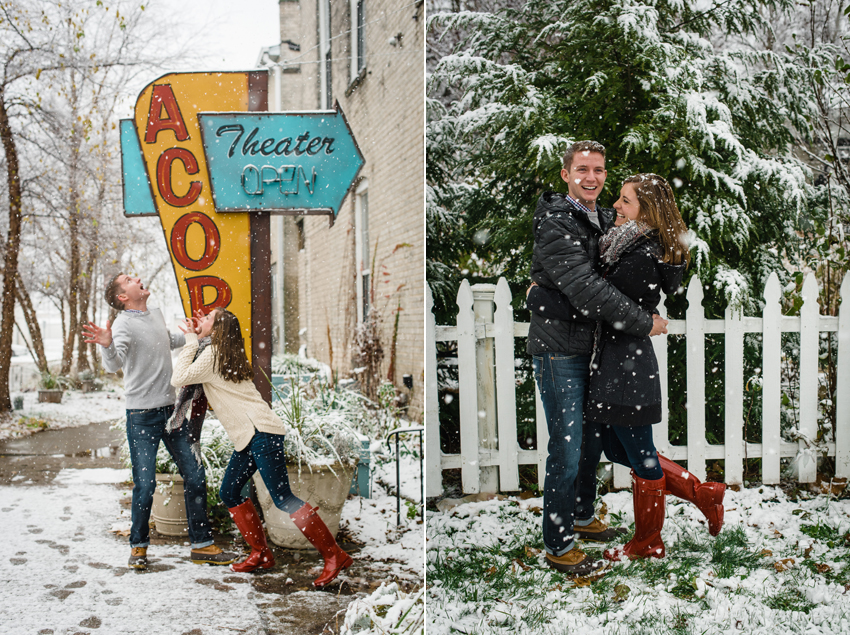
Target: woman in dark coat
(643, 255)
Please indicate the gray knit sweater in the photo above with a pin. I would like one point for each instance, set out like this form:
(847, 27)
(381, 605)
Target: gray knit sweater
(141, 346)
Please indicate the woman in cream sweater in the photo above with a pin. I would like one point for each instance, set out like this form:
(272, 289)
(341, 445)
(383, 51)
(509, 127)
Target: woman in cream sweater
(225, 374)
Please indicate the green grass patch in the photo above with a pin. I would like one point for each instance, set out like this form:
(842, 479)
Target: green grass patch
(730, 551)
(823, 532)
(789, 599)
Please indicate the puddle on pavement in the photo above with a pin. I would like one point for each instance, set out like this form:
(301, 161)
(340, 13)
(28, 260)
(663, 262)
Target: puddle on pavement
(109, 452)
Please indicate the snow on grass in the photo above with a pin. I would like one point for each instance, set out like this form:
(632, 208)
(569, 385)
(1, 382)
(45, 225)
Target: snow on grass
(77, 409)
(779, 563)
(397, 550)
(387, 611)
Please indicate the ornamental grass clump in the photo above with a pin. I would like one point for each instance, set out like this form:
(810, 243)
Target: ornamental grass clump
(322, 423)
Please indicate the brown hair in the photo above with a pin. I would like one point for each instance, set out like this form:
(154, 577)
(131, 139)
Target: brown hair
(112, 291)
(582, 146)
(658, 210)
(230, 359)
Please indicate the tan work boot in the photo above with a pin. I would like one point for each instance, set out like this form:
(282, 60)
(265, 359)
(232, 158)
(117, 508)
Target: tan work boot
(597, 531)
(138, 558)
(574, 562)
(212, 555)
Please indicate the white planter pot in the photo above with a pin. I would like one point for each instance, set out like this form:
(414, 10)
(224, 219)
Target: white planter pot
(169, 508)
(320, 487)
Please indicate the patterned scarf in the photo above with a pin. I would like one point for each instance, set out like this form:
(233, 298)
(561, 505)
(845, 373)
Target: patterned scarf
(620, 239)
(193, 396)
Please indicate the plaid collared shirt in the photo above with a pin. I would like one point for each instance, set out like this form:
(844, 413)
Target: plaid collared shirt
(592, 214)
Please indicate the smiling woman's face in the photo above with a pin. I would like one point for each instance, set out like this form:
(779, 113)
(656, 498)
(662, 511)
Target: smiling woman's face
(627, 205)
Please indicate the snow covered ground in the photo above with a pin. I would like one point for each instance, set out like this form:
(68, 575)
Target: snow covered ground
(780, 565)
(76, 409)
(63, 557)
(63, 567)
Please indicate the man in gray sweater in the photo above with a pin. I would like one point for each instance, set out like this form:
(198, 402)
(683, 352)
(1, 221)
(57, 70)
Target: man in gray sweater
(140, 344)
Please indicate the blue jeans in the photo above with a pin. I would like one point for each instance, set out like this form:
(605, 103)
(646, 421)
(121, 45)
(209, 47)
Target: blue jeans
(632, 447)
(145, 429)
(264, 453)
(562, 380)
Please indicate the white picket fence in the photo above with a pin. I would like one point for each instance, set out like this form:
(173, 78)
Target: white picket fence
(490, 455)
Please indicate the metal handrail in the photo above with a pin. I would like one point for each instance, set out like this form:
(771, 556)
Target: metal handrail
(397, 432)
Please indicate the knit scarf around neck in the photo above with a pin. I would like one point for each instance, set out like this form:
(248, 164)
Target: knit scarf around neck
(191, 396)
(620, 239)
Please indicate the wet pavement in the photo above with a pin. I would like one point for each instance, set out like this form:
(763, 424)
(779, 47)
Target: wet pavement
(282, 599)
(40, 457)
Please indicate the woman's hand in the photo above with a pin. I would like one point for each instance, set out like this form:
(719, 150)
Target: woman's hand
(189, 325)
(533, 284)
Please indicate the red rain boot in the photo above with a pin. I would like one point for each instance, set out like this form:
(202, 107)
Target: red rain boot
(708, 497)
(649, 498)
(248, 522)
(307, 519)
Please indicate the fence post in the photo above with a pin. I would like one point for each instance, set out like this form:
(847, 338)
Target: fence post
(771, 388)
(842, 406)
(506, 388)
(695, 327)
(661, 432)
(542, 437)
(485, 362)
(433, 454)
(733, 384)
(467, 390)
(808, 425)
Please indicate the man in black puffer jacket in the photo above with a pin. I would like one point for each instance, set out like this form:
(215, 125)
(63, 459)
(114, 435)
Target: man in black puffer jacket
(566, 233)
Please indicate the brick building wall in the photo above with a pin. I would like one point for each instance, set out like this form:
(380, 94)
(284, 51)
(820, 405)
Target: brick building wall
(385, 109)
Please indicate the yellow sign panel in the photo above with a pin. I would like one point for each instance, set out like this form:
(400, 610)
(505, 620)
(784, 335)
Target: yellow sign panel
(210, 252)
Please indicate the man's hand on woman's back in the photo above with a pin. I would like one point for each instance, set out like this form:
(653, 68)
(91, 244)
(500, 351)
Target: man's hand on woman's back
(659, 325)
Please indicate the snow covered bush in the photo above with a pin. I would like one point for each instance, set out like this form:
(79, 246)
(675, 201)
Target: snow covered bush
(322, 423)
(292, 364)
(388, 611)
(652, 83)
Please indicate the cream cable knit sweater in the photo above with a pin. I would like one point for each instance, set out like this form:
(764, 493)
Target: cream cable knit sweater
(239, 407)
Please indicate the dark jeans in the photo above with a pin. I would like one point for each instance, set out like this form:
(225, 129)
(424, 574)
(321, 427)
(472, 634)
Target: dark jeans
(145, 429)
(561, 380)
(631, 446)
(264, 453)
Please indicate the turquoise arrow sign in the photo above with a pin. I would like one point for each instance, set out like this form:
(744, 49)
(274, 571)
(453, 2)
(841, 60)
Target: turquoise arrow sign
(280, 162)
(138, 200)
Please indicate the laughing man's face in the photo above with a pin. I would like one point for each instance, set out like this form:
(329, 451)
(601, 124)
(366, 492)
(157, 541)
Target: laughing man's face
(586, 177)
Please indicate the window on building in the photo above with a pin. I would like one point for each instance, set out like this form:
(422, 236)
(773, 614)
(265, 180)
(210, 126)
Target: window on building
(361, 239)
(326, 83)
(358, 38)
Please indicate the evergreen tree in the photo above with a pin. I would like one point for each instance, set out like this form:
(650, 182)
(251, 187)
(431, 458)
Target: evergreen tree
(644, 79)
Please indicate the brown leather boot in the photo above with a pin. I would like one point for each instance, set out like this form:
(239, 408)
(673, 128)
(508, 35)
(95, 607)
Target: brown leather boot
(649, 499)
(597, 531)
(246, 519)
(708, 497)
(211, 555)
(307, 519)
(574, 562)
(138, 558)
